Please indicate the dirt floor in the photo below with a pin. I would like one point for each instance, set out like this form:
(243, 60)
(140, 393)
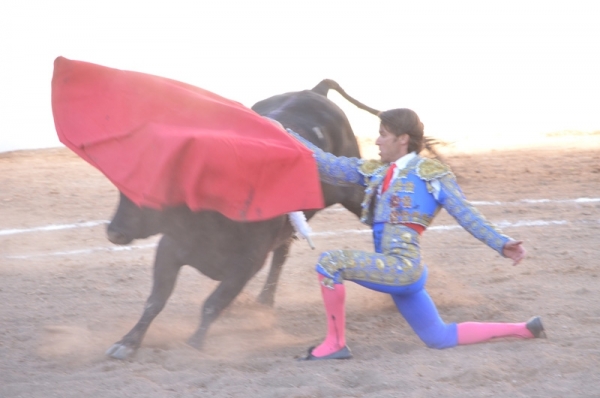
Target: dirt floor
(67, 294)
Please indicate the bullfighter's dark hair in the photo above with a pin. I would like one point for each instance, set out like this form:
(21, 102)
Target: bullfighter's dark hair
(405, 121)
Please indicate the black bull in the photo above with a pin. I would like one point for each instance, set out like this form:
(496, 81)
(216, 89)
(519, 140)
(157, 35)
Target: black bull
(228, 251)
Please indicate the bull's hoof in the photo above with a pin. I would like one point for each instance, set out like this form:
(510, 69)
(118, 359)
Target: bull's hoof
(266, 299)
(120, 351)
(195, 342)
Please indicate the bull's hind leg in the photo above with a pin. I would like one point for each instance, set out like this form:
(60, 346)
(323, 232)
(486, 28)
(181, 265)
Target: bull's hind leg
(267, 295)
(166, 268)
(224, 294)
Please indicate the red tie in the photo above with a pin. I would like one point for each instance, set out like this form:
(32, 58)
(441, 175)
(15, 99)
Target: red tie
(388, 177)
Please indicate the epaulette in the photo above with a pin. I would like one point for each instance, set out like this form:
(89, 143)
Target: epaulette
(429, 169)
(369, 167)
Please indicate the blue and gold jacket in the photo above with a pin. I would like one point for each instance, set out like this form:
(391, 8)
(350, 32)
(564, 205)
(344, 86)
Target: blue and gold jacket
(410, 197)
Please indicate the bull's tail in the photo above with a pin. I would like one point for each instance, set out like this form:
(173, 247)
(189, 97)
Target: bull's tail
(327, 84)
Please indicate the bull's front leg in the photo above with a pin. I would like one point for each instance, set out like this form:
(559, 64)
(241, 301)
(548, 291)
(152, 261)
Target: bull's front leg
(229, 288)
(166, 269)
(280, 255)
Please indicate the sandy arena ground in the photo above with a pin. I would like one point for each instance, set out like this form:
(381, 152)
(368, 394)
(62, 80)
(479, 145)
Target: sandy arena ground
(67, 294)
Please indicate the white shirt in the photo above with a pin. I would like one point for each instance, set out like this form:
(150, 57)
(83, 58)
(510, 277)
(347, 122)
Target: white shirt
(402, 162)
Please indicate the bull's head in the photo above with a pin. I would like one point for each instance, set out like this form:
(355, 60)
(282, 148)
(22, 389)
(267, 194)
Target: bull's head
(132, 222)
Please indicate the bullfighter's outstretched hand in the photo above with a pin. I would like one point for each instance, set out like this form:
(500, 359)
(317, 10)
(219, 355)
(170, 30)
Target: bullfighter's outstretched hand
(514, 250)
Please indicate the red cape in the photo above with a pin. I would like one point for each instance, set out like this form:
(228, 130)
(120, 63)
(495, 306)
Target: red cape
(167, 143)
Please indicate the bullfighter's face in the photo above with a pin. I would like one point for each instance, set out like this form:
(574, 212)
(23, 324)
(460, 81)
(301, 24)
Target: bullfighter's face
(391, 147)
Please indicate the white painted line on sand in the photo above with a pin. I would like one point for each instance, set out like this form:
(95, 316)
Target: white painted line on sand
(53, 227)
(336, 208)
(516, 202)
(86, 251)
(536, 201)
(501, 224)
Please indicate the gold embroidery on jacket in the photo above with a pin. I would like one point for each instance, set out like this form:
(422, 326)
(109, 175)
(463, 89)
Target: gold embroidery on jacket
(429, 169)
(369, 167)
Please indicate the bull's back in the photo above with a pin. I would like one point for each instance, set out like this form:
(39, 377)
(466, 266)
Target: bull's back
(315, 118)
(322, 122)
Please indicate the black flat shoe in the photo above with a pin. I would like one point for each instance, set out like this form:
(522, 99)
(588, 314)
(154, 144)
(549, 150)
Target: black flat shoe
(534, 325)
(344, 353)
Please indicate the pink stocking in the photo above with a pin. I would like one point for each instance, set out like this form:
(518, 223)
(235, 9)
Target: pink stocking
(475, 332)
(336, 319)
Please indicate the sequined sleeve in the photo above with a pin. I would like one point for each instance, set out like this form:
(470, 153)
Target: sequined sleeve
(453, 200)
(336, 170)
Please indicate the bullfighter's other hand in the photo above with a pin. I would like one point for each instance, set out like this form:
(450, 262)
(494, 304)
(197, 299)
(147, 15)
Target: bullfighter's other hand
(513, 250)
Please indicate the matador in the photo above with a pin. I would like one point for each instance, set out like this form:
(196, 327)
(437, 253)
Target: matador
(403, 193)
